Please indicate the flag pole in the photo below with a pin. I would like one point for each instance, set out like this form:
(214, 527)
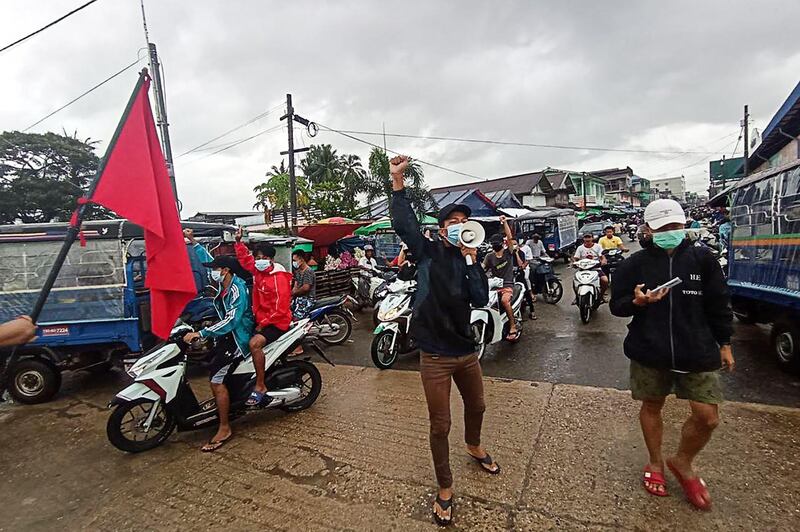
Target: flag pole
(77, 217)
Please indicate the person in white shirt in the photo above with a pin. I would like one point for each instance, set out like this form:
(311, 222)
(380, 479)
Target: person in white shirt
(591, 250)
(368, 261)
(536, 247)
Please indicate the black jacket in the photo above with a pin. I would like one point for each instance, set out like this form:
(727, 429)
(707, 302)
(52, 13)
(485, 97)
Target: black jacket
(684, 330)
(446, 287)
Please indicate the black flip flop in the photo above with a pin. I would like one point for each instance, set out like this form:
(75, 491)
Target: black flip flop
(487, 461)
(444, 505)
(212, 446)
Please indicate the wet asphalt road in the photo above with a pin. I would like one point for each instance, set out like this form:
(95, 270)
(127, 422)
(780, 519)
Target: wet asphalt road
(558, 348)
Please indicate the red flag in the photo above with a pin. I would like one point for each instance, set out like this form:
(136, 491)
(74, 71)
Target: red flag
(134, 183)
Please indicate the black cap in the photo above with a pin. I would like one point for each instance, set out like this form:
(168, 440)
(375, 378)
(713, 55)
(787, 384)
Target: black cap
(447, 210)
(223, 261)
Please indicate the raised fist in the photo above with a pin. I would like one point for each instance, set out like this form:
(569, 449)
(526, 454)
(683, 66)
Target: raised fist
(398, 165)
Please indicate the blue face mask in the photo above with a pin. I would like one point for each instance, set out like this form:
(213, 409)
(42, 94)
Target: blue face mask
(453, 232)
(669, 239)
(262, 264)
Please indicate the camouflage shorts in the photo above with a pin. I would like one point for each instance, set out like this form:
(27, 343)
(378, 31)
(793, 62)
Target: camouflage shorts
(655, 383)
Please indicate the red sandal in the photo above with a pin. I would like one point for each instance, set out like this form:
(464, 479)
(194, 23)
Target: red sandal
(694, 488)
(655, 478)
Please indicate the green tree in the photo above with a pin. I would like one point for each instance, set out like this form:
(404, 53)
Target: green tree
(379, 183)
(42, 175)
(334, 180)
(275, 192)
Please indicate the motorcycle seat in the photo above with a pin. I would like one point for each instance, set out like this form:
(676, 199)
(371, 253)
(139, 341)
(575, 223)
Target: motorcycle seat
(326, 302)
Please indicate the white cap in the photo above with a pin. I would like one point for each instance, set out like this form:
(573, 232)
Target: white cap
(663, 212)
(368, 247)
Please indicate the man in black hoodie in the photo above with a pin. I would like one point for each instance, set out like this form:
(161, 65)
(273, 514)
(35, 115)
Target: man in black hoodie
(449, 281)
(678, 340)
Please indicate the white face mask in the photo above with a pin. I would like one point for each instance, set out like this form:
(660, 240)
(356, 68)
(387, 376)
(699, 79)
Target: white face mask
(216, 275)
(262, 264)
(295, 264)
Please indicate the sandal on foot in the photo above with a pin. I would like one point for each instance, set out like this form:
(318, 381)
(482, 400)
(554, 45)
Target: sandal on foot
(212, 445)
(444, 505)
(486, 463)
(694, 488)
(655, 479)
(255, 399)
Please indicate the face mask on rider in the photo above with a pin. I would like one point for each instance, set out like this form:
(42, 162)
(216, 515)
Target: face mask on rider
(216, 275)
(453, 233)
(669, 239)
(262, 264)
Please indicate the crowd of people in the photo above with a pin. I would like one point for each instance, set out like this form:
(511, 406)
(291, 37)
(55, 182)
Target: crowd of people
(677, 341)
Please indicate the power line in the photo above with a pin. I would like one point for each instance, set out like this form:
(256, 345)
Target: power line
(701, 161)
(56, 21)
(82, 95)
(238, 142)
(240, 126)
(524, 144)
(346, 134)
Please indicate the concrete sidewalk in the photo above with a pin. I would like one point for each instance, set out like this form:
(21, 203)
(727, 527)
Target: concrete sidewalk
(359, 460)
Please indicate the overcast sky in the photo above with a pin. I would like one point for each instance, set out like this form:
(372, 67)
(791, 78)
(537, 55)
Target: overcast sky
(667, 76)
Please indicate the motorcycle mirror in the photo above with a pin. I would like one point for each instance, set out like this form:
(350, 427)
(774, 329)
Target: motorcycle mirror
(472, 234)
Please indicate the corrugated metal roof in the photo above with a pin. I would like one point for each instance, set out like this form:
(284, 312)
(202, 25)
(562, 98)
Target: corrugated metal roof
(517, 184)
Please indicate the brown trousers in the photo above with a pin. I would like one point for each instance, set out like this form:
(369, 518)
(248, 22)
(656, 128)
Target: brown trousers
(436, 372)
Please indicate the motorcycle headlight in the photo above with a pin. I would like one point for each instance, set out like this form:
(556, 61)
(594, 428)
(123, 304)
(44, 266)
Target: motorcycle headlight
(389, 315)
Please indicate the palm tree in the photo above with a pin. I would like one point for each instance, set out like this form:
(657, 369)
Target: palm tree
(379, 183)
(353, 178)
(275, 192)
(321, 165)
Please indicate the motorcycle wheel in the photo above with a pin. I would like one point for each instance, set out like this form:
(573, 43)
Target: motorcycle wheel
(383, 356)
(586, 313)
(341, 320)
(310, 383)
(553, 292)
(124, 426)
(479, 335)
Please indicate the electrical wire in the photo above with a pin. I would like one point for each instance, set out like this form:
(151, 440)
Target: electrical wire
(524, 144)
(56, 21)
(345, 134)
(125, 69)
(237, 143)
(240, 126)
(700, 161)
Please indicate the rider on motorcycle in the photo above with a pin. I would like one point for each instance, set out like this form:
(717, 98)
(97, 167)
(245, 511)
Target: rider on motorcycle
(590, 250)
(232, 335)
(272, 297)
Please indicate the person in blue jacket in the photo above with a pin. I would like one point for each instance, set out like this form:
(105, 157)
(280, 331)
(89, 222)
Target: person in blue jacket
(232, 334)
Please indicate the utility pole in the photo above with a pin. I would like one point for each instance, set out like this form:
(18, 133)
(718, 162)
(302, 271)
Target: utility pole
(161, 107)
(583, 187)
(291, 118)
(746, 141)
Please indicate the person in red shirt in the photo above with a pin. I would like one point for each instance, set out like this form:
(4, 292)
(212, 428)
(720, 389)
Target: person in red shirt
(272, 298)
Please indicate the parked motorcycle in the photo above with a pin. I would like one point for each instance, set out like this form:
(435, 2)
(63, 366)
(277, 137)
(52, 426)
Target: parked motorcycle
(586, 285)
(332, 320)
(370, 287)
(161, 399)
(552, 290)
(391, 334)
(490, 323)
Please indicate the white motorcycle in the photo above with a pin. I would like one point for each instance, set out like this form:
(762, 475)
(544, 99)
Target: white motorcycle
(370, 287)
(490, 323)
(161, 399)
(394, 321)
(586, 285)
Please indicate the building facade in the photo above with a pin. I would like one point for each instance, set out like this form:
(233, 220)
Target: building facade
(780, 140)
(595, 190)
(618, 189)
(640, 188)
(670, 187)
